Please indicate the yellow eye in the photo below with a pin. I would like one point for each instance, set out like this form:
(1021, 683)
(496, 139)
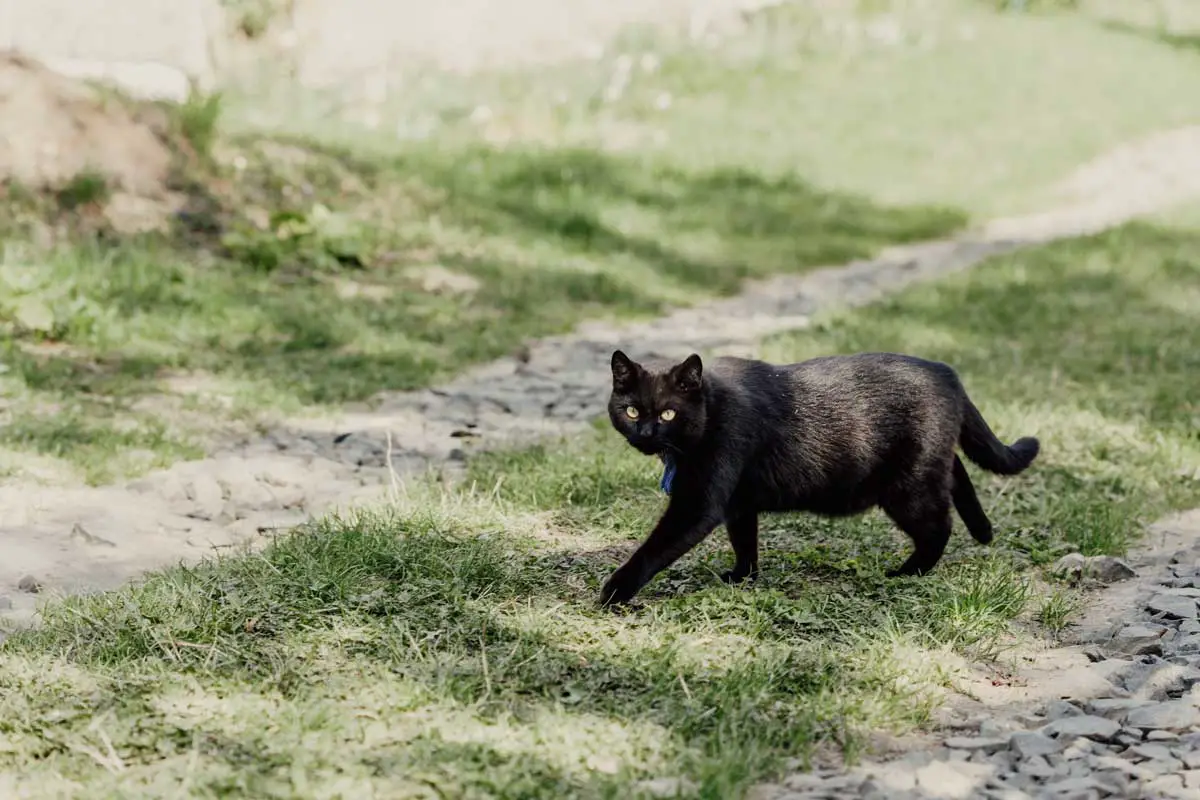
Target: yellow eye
(631, 412)
(667, 415)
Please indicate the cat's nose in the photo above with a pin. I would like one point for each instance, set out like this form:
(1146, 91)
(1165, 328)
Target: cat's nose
(646, 430)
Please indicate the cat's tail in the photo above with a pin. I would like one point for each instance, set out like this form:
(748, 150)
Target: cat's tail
(981, 445)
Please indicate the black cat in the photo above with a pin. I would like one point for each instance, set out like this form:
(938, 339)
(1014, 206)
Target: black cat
(836, 436)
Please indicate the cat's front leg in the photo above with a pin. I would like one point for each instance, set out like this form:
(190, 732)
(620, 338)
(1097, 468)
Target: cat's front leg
(742, 527)
(679, 530)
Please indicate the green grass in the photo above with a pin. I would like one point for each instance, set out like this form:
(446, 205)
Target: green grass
(296, 278)
(452, 646)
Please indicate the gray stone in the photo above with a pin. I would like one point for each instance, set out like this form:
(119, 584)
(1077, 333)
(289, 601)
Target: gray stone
(1169, 785)
(975, 743)
(1085, 725)
(1150, 750)
(1162, 736)
(1028, 744)
(1136, 640)
(1107, 569)
(1115, 707)
(29, 584)
(1122, 765)
(1037, 766)
(1191, 759)
(1172, 607)
(1060, 709)
(1069, 566)
(896, 776)
(1173, 715)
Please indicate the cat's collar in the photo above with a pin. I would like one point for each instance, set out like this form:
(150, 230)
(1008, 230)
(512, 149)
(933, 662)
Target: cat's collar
(668, 477)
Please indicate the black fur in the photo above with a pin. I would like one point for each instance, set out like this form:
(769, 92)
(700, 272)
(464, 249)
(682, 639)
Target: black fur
(835, 436)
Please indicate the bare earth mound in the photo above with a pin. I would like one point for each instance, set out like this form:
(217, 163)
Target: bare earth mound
(54, 129)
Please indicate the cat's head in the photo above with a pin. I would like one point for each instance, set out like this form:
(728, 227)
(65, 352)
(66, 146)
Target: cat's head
(658, 410)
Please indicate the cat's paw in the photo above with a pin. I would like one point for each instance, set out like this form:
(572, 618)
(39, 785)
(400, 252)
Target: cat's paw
(620, 588)
(736, 575)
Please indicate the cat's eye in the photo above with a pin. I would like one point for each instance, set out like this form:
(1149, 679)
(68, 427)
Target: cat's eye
(667, 415)
(631, 412)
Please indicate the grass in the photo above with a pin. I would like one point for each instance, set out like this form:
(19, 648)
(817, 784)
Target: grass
(316, 264)
(451, 646)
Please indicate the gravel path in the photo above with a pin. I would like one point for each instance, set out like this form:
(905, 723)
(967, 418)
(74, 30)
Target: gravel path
(79, 539)
(1115, 714)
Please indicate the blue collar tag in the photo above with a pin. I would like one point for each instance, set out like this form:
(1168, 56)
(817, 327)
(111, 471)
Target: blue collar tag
(668, 473)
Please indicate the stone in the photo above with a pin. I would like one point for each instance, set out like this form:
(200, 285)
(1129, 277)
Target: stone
(1172, 607)
(1136, 640)
(1115, 707)
(1069, 566)
(1191, 759)
(1162, 736)
(1107, 569)
(1036, 766)
(6, 603)
(1150, 750)
(1122, 765)
(1167, 682)
(1060, 709)
(1087, 726)
(29, 584)
(975, 743)
(1169, 785)
(1172, 715)
(1028, 744)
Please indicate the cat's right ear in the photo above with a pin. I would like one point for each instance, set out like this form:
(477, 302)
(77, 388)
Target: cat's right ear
(624, 371)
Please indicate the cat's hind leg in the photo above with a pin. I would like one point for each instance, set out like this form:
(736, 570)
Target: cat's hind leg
(923, 512)
(742, 527)
(966, 502)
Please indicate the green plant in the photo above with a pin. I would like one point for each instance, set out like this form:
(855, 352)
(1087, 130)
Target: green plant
(198, 118)
(87, 188)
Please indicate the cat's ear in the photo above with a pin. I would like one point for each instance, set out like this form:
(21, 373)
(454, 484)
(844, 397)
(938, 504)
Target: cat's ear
(689, 375)
(624, 371)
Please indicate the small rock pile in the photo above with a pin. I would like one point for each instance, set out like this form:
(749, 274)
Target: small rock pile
(1138, 737)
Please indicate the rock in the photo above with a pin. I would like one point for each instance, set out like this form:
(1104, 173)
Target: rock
(1162, 736)
(1191, 760)
(1163, 785)
(1029, 744)
(1173, 715)
(1136, 640)
(1107, 569)
(1060, 709)
(6, 603)
(1169, 680)
(1150, 750)
(1036, 766)
(1115, 707)
(29, 584)
(1087, 726)
(975, 743)
(1172, 607)
(1069, 566)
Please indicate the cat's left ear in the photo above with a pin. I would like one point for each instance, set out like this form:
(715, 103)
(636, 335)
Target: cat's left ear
(689, 375)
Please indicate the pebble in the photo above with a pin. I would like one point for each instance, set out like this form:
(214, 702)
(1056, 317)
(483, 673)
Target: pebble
(1172, 607)
(1172, 715)
(29, 584)
(1085, 725)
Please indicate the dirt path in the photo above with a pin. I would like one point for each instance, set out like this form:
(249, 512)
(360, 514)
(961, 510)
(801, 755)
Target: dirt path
(79, 539)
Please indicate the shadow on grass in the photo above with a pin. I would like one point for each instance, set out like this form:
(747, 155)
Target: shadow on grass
(723, 687)
(1188, 42)
(545, 239)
